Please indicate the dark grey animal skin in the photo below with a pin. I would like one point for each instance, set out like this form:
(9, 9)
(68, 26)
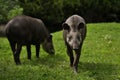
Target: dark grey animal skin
(74, 33)
(25, 30)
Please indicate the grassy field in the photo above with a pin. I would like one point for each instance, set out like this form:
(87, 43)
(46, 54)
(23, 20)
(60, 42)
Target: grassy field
(100, 59)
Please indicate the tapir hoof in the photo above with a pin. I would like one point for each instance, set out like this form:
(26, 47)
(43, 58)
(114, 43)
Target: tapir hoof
(18, 63)
(29, 58)
(75, 70)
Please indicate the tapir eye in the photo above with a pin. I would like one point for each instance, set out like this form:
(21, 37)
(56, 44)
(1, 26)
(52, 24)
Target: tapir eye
(78, 37)
(69, 38)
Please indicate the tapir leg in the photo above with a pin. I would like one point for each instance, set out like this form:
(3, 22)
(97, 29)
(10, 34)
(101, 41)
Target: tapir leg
(29, 51)
(15, 51)
(37, 50)
(17, 54)
(12, 45)
(70, 54)
(76, 60)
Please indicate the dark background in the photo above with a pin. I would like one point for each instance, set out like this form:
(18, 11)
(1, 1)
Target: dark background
(55, 12)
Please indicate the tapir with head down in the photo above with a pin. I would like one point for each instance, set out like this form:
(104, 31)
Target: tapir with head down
(74, 33)
(25, 30)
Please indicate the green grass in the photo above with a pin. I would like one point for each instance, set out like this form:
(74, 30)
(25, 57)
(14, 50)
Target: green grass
(100, 58)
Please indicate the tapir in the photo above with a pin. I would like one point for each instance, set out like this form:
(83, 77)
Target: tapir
(26, 30)
(74, 33)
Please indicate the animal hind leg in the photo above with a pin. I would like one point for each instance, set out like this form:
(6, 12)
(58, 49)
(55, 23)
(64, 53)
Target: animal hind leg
(12, 45)
(17, 54)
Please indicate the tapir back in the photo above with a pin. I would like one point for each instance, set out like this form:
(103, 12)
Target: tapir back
(26, 30)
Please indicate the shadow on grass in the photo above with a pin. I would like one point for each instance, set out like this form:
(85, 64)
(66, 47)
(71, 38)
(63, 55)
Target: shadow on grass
(100, 71)
(47, 60)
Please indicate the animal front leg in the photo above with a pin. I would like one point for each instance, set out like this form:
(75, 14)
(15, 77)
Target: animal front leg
(29, 51)
(76, 60)
(70, 54)
(37, 50)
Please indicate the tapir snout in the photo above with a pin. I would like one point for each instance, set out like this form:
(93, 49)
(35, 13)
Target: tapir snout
(74, 39)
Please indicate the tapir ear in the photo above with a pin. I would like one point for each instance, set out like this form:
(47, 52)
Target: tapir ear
(49, 38)
(80, 26)
(65, 26)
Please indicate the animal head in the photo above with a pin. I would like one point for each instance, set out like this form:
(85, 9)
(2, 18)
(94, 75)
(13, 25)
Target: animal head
(74, 34)
(48, 45)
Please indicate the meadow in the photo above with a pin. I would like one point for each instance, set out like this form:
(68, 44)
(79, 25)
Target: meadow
(100, 58)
